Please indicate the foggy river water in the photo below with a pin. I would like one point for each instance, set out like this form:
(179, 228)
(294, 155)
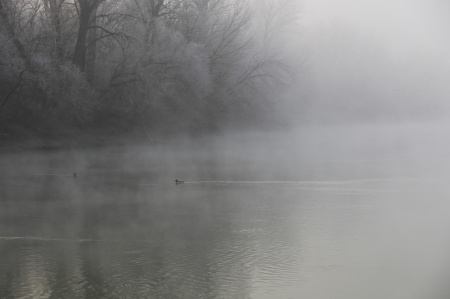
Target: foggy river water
(316, 213)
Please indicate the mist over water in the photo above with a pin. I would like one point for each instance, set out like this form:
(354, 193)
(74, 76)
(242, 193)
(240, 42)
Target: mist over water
(342, 212)
(312, 142)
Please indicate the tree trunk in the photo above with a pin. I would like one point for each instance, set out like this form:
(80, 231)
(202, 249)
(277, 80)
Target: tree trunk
(86, 8)
(55, 11)
(91, 54)
(156, 6)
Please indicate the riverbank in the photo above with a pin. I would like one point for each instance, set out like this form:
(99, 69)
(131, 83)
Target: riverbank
(14, 139)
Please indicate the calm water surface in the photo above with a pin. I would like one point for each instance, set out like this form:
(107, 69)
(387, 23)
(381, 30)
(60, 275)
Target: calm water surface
(249, 222)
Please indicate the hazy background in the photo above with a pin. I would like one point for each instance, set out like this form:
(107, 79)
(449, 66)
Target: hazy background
(374, 60)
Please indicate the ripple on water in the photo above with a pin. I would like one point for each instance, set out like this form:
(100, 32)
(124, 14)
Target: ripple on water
(257, 238)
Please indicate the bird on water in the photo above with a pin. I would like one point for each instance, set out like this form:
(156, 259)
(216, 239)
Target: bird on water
(178, 182)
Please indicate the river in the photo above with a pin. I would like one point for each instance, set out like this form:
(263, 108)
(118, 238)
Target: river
(314, 213)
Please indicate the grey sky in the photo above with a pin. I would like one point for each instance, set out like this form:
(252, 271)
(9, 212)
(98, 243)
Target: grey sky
(404, 24)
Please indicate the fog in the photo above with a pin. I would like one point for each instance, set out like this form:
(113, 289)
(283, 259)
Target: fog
(373, 61)
(234, 149)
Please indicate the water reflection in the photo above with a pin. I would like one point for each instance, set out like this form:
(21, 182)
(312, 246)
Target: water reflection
(130, 232)
(200, 240)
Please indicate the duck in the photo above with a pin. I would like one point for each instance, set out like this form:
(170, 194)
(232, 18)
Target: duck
(178, 182)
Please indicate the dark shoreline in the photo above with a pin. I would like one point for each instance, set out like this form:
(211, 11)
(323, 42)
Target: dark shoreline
(10, 143)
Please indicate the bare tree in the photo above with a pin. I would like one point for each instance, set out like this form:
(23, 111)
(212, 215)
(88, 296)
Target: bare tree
(5, 13)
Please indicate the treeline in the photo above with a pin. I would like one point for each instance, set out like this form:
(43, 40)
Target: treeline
(158, 65)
